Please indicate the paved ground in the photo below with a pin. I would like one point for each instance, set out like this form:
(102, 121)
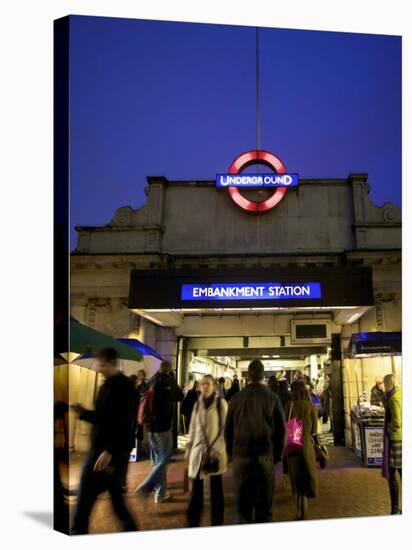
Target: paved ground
(346, 489)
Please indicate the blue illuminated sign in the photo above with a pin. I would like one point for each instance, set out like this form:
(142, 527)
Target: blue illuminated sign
(256, 180)
(252, 291)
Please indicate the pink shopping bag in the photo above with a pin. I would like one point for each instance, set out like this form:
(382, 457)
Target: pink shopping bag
(294, 433)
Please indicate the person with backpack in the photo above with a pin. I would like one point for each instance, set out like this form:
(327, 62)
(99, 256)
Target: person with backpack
(156, 411)
(206, 452)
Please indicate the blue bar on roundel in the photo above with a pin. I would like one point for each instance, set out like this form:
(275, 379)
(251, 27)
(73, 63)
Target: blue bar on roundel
(251, 291)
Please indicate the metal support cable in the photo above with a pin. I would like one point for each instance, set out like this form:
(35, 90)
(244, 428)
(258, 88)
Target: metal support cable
(257, 92)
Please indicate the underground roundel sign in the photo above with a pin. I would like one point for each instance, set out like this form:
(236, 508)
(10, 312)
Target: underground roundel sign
(278, 182)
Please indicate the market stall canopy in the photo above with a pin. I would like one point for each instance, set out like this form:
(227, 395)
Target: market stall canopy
(84, 340)
(370, 344)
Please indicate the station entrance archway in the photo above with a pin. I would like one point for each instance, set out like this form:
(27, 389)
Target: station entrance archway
(290, 318)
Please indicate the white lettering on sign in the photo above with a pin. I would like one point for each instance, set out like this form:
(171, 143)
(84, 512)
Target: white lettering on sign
(374, 443)
(303, 290)
(250, 291)
(271, 179)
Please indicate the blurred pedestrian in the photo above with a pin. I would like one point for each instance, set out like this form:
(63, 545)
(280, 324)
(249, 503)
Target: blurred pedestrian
(254, 433)
(273, 384)
(160, 401)
(221, 390)
(326, 400)
(299, 375)
(316, 400)
(284, 396)
(133, 380)
(141, 387)
(60, 508)
(188, 403)
(302, 463)
(206, 452)
(234, 388)
(320, 384)
(114, 423)
(283, 393)
(392, 447)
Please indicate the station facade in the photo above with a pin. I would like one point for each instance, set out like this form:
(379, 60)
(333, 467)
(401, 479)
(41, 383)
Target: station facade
(209, 285)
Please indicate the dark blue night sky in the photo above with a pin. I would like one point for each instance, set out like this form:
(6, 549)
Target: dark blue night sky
(152, 98)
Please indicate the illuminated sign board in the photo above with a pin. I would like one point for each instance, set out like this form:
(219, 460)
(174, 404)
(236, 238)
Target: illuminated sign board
(260, 287)
(235, 181)
(251, 291)
(256, 180)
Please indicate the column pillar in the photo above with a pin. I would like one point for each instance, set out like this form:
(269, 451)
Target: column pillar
(313, 367)
(338, 413)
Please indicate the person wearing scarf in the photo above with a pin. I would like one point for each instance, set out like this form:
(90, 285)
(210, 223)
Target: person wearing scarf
(206, 445)
(392, 443)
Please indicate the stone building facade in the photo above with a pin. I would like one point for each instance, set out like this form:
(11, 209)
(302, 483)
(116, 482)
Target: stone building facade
(192, 225)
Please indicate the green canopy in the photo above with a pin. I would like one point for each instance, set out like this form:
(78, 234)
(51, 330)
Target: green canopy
(82, 339)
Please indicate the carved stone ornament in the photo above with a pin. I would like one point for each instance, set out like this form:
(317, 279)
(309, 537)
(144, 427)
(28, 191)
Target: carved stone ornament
(122, 216)
(391, 214)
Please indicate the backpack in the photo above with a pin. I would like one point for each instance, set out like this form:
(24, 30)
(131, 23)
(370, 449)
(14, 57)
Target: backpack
(145, 411)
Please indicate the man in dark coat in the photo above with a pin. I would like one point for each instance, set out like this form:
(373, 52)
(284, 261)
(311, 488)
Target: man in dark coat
(166, 394)
(254, 433)
(188, 403)
(114, 422)
(234, 388)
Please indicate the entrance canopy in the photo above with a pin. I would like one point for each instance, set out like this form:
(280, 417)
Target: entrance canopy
(264, 289)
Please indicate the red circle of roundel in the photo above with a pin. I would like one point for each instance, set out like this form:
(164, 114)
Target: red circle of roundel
(257, 157)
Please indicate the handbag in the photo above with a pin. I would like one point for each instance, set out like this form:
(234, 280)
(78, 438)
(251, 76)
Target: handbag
(294, 434)
(210, 463)
(322, 454)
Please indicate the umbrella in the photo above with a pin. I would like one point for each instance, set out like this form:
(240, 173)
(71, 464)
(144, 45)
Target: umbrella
(83, 340)
(134, 343)
(143, 348)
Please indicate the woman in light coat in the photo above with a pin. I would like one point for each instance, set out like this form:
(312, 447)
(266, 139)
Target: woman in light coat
(206, 452)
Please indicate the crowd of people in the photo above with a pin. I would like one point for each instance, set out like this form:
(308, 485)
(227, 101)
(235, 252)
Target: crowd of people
(248, 430)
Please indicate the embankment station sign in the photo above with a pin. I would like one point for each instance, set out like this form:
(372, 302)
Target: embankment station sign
(251, 291)
(250, 288)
